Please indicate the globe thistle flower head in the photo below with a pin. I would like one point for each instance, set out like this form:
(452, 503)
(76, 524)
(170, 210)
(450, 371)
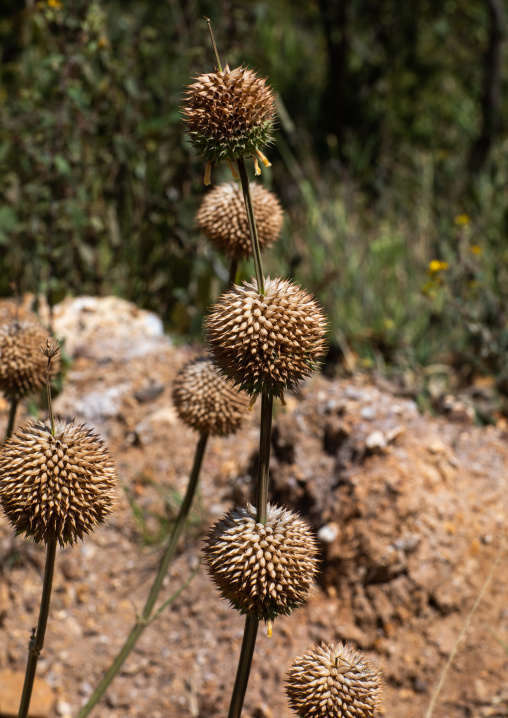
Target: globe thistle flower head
(23, 366)
(265, 569)
(230, 114)
(333, 681)
(267, 342)
(222, 217)
(206, 401)
(56, 485)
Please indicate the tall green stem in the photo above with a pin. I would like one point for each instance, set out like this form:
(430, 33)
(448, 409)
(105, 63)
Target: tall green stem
(144, 619)
(265, 438)
(37, 640)
(256, 252)
(252, 621)
(12, 417)
(244, 664)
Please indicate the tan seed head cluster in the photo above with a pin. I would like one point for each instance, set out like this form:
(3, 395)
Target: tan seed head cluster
(333, 681)
(267, 342)
(230, 114)
(222, 217)
(22, 365)
(206, 401)
(266, 569)
(56, 487)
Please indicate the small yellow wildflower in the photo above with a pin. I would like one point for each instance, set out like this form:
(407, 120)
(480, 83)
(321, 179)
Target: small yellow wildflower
(55, 4)
(476, 249)
(389, 323)
(462, 220)
(436, 266)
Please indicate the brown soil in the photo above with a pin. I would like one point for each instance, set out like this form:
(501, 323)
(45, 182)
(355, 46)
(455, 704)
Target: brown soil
(410, 511)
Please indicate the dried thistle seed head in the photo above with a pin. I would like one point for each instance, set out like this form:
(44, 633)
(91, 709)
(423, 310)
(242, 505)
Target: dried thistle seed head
(267, 342)
(266, 569)
(206, 401)
(56, 487)
(230, 114)
(222, 217)
(333, 681)
(23, 366)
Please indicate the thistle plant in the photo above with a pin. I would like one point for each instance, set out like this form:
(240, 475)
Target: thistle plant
(333, 681)
(205, 401)
(267, 569)
(266, 337)
(267, 342)
(22, 365)
(223, 219)
(57, 482)
(230, 115)
(210, 405)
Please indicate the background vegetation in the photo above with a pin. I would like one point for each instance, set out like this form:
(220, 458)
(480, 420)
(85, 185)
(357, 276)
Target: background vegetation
(391, 162)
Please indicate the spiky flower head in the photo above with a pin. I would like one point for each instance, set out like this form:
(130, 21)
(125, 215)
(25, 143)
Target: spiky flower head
(222, 217)
(56, 486)
(22, 364)
(230, 114)
(267, 342)
(206, 401)
(265, 569)
(333, 681)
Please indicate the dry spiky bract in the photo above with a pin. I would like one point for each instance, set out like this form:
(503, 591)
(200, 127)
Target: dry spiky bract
(265, 569)
(22, 364)
(222, 217)
(334, 681)
(56, 487)
(206, 401)
(267, 342)
(230, 114)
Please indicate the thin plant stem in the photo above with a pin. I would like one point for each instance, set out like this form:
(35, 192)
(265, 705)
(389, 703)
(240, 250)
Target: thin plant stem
(251, 620)
(467, 622)
(213, 42)
(145, 618)
(12, 417)
(256, 252)
(37, 640)
(265, 437)
(244, 665)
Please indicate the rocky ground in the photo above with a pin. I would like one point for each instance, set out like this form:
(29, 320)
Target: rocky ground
(410, 512)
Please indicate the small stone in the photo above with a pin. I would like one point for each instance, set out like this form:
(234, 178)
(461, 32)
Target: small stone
(368, 413)
(420, 686)
(328, 533)
(64, 709)
(11, 687)
(376, 442)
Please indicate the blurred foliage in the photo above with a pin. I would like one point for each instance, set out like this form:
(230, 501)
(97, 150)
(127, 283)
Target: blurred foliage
(386, 137)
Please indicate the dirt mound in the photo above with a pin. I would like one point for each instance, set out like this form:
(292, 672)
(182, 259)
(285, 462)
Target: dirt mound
(410, 512)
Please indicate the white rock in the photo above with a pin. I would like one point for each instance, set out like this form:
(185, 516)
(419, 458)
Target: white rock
(328, 533)
(376, 441)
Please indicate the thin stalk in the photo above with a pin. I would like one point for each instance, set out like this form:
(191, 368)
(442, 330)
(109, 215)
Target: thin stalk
(144, 619)
(244, 665)
(12, 417)
(251, 620)
(37, 640)
(265, 437)
(256, 252)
